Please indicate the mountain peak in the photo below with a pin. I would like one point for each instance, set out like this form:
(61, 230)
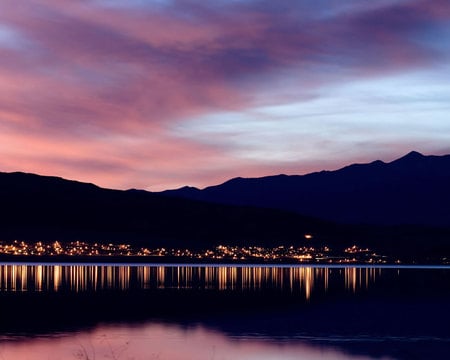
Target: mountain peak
(413, 155)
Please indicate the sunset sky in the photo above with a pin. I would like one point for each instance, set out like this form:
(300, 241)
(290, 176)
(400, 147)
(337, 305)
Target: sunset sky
(158, 94)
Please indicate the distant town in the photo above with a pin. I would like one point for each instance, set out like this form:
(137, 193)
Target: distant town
(303, 254)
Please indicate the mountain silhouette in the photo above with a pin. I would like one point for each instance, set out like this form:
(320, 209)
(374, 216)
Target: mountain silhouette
(37, 207)
(412, 190)
(398, 208)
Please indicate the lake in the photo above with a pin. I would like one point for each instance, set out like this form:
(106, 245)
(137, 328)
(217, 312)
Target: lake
(220, 312)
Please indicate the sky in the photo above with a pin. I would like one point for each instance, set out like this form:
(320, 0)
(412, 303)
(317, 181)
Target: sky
(158, 94)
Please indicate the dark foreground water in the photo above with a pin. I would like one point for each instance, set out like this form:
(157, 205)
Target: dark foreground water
(223, 312)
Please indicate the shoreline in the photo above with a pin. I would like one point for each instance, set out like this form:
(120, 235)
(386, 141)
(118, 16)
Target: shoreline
(175, 261)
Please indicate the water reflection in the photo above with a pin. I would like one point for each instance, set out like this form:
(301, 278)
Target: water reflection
(78, 278)
(222, 312)
(163, 342)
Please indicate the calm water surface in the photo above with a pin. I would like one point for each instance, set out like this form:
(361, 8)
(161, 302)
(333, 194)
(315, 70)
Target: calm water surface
(175, 312)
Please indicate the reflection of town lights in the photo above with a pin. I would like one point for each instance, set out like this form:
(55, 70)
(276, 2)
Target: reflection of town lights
(308, 236)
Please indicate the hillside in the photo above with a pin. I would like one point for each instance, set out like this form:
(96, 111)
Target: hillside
(49, 208)
(399, 208)
(412, 190)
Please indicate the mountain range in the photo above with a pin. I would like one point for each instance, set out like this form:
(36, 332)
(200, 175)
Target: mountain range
(412, 190)
(37, 207)
(398, 206)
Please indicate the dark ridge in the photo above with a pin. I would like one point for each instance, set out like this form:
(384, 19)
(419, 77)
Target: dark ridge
(412, 190)
(37, 207)
(399, 208)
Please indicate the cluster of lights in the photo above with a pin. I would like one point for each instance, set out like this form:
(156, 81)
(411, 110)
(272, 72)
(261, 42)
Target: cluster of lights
(302, 253)
(222, 252)
(56, 248)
